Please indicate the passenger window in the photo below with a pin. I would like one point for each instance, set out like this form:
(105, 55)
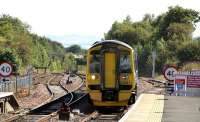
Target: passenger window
(125, 64)
(95, 63)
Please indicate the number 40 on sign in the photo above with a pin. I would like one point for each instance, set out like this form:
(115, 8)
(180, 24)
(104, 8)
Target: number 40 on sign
(169, 73)
(5, 69)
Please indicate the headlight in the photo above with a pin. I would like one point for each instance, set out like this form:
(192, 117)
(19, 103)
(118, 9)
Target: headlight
(93, 77)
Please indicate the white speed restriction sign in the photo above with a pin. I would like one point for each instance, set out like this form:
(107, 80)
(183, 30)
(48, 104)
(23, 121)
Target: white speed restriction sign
(5, 69)
(169, 73)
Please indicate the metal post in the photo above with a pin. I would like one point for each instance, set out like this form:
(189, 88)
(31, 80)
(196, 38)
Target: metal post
(3, 87)
(29, 85)
(153, 63)
(136, 65)
(16, 83)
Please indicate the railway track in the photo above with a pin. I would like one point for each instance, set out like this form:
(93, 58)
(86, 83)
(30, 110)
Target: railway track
(151, 86)
(41, 78)
(161, 87)
(49, 109)
(103, 117)
(68, 97)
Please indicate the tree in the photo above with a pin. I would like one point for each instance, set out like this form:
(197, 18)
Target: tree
(179, 15)
(74, 49)
(27, 48)
(8, 56)
(167, 34)
(189, 52)
(130, 32)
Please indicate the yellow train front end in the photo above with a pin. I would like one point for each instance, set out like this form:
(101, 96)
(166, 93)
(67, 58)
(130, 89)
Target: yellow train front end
(110, 75)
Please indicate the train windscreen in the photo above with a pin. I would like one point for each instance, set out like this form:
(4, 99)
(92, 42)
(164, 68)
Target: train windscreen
(95, 63)
(125, 63)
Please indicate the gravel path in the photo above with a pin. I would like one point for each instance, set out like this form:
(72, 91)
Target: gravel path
(39, 95)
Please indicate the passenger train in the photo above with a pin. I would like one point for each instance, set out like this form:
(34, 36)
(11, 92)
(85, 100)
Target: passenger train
(110, 75)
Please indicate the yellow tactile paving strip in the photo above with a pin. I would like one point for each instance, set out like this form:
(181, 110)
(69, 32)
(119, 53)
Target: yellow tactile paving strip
(148, 108)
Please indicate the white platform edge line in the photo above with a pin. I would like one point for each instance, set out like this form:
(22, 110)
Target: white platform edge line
(125, 117)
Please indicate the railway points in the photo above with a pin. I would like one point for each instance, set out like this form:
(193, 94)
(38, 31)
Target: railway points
(61, 94)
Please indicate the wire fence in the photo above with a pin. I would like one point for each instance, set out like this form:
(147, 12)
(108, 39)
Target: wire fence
(16, 84)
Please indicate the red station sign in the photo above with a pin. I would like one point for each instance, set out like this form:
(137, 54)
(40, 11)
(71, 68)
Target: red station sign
(193, 81)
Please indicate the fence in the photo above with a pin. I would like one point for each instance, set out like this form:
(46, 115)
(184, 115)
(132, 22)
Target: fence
(16, 84)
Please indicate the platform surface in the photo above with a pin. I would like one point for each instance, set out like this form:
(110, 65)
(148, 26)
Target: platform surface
(160, 108)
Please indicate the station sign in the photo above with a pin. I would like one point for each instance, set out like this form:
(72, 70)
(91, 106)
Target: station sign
(192, 82)
(180, 85)
(193, 78)
(5, 69)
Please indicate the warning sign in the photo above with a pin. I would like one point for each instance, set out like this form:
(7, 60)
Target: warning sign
(5, 69)
(169, 73)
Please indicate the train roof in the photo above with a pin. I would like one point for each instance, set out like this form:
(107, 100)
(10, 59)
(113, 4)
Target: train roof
(111, 41)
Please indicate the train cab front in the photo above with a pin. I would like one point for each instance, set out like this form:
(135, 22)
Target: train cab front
(110, 77)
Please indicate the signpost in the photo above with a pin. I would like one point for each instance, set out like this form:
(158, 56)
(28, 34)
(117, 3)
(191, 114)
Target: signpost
(5, 69)
(185, 83)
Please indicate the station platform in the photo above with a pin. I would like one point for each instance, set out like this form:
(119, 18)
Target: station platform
(160, 108)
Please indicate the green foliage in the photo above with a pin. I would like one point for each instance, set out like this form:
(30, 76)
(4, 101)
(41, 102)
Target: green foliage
(81, 61)
(11, 26)
(24, 48)
(8, 56)
(70, 63)
(189, 52)
(188, 66)
(131, 33)
(169, 34)
(74, 49)
(178, 15)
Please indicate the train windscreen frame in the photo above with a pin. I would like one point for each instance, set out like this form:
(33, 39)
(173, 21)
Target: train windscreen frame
(125, 63)
(94, 66)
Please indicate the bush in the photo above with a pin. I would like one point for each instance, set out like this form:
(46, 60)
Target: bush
(189, 52)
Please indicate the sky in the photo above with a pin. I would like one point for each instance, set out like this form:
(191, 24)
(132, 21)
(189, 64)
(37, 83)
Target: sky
(85, 21)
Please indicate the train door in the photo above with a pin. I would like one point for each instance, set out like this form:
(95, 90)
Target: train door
(110, 70)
